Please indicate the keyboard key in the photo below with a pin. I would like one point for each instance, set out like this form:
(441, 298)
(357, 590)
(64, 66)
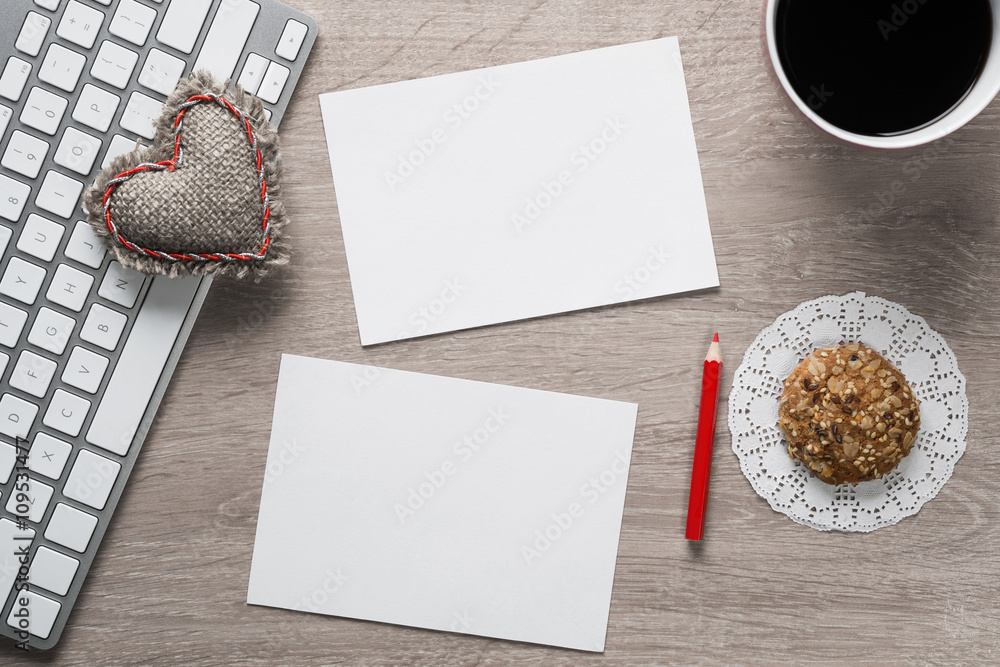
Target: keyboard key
(51, 331)
(51, 5)
(33, 374)
(120, 145)
(66, 413)
(59, 194)
(273, 83)
(32, 34)
(140, 113)
(38, 612)
(226, 38)
(121, 285)
(5, 235)
(8, 458)
(137, 372)
(62, 67)
(48, 455)
(91, 480)
(15, 75)
(96, 107)
(253, 73)
(85, 370)
(12, 542)
(13, 196)
(132, 21)
(22, 280)
(103, 327)
(80, 24)
(291, 39)
(71, 528)
(12, 321)
(40, 237)
(69, 287)
(182, 23)
(43, 110)
(52, 570)
(114, 64)
(6, 113)
(16, 416)
(161, 72)
(77, 151)
(85, 246)
(38, 496)
(24, 154)
(4, 360)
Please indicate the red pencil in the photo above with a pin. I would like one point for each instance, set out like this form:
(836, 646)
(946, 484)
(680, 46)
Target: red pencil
(703, 445)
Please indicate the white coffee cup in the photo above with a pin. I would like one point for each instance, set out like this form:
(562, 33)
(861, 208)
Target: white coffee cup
(982, 93)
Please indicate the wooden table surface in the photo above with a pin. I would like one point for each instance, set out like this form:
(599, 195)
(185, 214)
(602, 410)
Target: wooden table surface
(793, 217)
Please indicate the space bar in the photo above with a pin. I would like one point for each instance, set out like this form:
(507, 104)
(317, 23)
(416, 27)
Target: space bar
(142, 360)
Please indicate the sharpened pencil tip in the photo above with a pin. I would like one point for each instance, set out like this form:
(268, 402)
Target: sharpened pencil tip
(716, 339)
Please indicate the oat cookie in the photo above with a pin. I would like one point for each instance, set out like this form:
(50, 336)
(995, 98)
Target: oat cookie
(848, 414)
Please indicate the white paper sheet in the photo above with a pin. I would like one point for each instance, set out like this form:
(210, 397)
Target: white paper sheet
(517, 191)
(442, 503)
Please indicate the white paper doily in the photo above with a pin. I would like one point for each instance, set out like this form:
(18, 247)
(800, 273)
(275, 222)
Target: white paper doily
(909, 344)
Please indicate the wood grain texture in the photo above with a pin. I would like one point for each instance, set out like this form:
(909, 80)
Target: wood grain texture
(793, 217)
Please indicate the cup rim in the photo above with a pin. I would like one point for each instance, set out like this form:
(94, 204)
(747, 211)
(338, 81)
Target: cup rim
(959, 116)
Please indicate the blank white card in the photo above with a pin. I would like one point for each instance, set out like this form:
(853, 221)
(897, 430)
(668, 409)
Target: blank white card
(442, 503)
(518, 191)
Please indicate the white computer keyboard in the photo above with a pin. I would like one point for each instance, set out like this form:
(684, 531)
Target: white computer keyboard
(87, 346)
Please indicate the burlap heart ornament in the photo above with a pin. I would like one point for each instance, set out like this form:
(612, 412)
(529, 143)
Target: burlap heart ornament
(205, 197)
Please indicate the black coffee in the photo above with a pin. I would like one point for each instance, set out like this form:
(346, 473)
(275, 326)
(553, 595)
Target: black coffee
(883, 68)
